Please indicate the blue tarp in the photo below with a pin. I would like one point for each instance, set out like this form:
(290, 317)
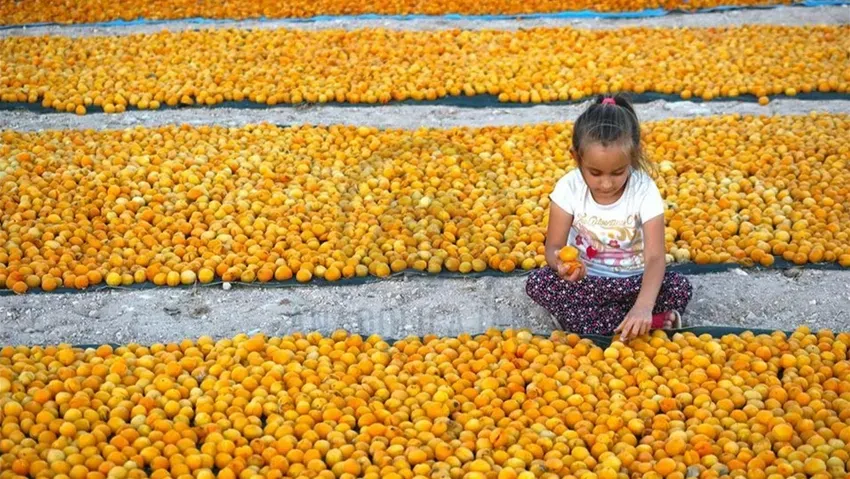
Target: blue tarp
(656, 12)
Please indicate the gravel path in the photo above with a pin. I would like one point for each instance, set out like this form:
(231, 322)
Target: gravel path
(398, 116)
(833, 15)
(395, 308)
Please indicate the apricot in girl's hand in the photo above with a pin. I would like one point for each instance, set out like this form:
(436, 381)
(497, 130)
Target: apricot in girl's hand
(568, 254)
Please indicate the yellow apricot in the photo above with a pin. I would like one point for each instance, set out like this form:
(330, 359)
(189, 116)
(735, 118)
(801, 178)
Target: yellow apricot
(313, 72)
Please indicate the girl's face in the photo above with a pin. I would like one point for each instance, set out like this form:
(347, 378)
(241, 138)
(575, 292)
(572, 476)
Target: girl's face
(605, 170)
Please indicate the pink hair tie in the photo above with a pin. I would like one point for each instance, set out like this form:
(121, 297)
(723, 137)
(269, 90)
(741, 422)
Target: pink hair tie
(608, 101)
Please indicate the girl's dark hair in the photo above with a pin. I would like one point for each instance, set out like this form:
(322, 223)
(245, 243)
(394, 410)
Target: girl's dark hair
(610, 124)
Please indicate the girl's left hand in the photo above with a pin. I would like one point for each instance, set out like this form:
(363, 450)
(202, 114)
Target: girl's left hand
(637, 323)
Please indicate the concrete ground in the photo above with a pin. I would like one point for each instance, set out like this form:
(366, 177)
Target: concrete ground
(826, 15)
(396, 308)
(400, 116)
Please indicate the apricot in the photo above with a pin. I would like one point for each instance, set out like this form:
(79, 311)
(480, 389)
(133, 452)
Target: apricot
(212, 66)
(254, 215)
(538, 406)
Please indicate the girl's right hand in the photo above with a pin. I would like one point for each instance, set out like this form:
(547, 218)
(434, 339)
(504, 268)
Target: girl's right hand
(577, 274)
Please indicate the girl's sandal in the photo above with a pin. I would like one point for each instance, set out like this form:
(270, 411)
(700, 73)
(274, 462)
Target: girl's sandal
(677, 320)
(659, 319)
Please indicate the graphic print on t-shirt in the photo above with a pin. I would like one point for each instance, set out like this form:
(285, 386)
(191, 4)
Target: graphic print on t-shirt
(617, 244)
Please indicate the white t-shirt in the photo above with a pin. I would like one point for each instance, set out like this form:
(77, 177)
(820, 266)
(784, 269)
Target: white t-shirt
(609, 237)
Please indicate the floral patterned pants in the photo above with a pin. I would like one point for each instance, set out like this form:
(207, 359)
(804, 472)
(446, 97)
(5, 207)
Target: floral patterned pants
(597, 305)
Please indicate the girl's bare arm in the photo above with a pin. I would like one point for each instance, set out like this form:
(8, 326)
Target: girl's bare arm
(560, 223)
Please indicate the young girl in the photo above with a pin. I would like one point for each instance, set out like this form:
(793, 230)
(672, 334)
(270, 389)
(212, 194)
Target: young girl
(614, 215)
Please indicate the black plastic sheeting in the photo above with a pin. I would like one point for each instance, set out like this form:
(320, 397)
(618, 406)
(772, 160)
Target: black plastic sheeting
(689, 269)
(475, 101)
(601, 341)
(713, 331)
